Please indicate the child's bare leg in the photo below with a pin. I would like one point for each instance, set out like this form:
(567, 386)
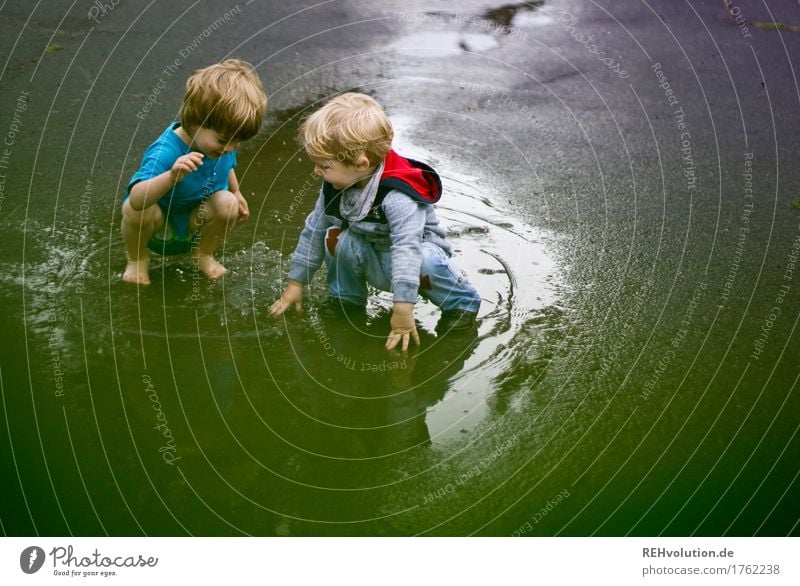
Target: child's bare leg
(214, 218)
(137, 228)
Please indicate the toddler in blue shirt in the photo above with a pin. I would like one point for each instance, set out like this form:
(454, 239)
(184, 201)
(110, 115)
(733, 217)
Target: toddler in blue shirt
(185, 195)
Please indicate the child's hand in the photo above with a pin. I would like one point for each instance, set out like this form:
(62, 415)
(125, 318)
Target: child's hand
(403, 327)
(186, 164)
(244, 209)
(292, 295)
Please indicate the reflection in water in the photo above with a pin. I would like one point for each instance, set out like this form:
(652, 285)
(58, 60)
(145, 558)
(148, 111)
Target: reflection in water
(372, 403)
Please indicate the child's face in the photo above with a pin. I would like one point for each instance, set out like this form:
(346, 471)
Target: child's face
(339, 174)
(213, 144)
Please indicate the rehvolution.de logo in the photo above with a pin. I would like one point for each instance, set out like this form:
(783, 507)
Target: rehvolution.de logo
(31, 559)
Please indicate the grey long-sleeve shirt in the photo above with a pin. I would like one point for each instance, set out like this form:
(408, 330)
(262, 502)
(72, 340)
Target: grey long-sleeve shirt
(409, 224)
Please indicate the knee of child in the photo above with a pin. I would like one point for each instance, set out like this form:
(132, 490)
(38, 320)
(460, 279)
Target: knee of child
(226, 204)
(129, 214)
(149, 215)
(432, 260)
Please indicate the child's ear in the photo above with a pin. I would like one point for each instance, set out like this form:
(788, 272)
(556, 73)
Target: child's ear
(362, 163)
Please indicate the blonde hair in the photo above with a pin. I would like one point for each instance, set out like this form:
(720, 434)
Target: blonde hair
(226, 97)
(348, 126)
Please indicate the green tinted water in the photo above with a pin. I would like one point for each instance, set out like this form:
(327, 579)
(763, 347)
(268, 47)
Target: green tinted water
(591, 401)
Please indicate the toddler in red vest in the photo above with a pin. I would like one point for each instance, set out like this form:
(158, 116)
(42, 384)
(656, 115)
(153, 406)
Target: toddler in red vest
(374, 222)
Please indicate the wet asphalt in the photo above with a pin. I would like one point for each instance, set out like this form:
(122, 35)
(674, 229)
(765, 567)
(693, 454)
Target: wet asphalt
(656, 142)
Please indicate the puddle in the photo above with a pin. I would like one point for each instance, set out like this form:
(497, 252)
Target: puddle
(532, 19)
(476, 34)
(510, 14)
(443, 44)
(310, 404)
(74, 295)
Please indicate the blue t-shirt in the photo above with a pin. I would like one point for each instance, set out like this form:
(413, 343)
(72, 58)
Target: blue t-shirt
(187, 194)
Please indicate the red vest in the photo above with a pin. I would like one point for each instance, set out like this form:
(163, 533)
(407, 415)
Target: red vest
(417, 180)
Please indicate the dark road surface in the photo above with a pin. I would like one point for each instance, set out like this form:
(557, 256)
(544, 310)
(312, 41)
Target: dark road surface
(622, 185)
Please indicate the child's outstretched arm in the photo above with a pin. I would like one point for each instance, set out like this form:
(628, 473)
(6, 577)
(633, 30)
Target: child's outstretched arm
(292, 295)
(146, 193)
(306, 260)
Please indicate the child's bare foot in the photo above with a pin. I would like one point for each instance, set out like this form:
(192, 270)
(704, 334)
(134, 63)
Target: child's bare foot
(210, 266)
(136, 272)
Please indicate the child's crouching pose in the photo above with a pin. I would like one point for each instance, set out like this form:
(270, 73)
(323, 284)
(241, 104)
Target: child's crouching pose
(185, 195)
(374, 222)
